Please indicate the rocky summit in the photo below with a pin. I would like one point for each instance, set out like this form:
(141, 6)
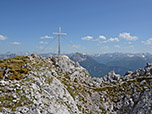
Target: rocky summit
(57, 85)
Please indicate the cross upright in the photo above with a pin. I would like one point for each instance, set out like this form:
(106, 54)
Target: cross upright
(59, 36)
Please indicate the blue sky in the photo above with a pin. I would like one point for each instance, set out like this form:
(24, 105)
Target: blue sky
(92, 26)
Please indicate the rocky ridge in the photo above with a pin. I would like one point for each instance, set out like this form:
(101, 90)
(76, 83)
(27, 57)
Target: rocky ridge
(58, 85)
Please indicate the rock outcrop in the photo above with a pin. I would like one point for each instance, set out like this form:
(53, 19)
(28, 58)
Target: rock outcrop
(57, 85)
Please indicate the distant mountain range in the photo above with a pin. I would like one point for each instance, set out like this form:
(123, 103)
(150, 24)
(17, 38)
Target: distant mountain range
(94, 67)
(99, 65)
(11, 55)
(127, 60)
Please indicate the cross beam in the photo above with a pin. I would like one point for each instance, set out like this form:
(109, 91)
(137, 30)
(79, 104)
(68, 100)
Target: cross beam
(59, 36)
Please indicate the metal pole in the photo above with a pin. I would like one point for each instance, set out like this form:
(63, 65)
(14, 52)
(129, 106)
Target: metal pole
(59, 37)
(59, 41)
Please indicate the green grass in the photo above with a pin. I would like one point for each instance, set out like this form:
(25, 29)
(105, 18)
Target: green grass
(7, 102)
(114, 92)
(49, 80)
(15, 67)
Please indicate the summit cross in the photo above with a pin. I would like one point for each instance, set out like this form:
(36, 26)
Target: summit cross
(59, 37)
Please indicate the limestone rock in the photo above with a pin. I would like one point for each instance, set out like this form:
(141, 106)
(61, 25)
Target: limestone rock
(58, 85)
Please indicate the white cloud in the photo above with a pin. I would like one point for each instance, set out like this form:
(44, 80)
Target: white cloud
(116, 46)
(76, 46)
(3, 37)
(87, 38)
(41, 42)
(112, 40)
(16, 43)
(129, 42)
(127, 36)
(101, 38)
(46, 37)
(148, 42)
